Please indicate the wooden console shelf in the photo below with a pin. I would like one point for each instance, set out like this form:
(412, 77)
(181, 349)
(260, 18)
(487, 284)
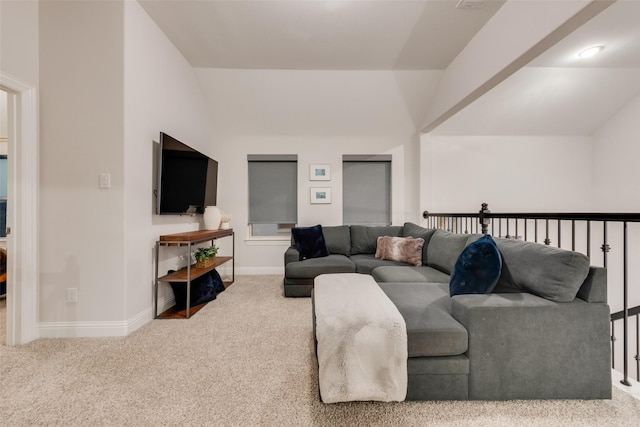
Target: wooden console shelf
(190, 272)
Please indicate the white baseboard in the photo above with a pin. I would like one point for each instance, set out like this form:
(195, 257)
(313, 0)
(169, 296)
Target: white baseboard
(82, 329)
(119, 328)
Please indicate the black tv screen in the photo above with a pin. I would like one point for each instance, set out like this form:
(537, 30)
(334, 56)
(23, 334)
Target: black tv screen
(187, 179)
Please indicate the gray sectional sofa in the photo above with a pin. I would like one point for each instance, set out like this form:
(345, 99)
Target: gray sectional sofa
(543, 333)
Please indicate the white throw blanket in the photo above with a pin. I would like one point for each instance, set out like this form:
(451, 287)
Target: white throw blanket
(362, 340)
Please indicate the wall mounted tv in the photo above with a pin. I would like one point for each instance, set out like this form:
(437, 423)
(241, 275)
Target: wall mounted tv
(187, 179)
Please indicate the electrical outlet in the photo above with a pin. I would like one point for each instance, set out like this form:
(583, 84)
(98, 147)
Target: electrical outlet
(72, 294)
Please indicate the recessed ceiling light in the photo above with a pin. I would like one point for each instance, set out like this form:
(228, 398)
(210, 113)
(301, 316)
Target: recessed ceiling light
(590, 51)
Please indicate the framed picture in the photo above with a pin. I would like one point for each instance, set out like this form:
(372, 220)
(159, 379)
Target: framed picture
(319, 172)
(321, 195)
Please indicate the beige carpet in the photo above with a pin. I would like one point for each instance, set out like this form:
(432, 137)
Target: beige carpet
(245, 359)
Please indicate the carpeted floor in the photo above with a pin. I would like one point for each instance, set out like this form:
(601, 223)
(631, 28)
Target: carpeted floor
(245, 359)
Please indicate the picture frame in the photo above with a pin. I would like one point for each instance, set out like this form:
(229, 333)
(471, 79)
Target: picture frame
(320, 172)
(320, 195)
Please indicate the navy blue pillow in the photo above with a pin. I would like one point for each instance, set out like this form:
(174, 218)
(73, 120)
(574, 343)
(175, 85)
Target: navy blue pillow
(477, 269)
(309, 241)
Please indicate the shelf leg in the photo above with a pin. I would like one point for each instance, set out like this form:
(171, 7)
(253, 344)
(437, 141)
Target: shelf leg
(188, 304)
(155, 283)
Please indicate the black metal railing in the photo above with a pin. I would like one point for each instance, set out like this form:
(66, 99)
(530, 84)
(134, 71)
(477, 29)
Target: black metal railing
(575, 231)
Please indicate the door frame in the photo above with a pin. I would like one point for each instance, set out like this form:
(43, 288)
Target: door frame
(22, 212)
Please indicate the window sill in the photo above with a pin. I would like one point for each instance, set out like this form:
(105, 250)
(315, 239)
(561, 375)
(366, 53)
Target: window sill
(268, 241)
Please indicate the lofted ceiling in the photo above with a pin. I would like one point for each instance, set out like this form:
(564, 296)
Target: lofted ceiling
(555, 94)
(559, 93)
(319, 34)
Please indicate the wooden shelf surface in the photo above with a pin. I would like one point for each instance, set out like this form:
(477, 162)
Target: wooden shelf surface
(181, 275)
(173, 313)
(194, 236)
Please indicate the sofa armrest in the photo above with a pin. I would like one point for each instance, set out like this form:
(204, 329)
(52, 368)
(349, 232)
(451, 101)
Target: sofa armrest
(291, 255)
(594, 288)
(522, 346)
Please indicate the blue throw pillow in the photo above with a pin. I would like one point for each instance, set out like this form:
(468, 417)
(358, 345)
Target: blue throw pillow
(477, 269)
(309, 241)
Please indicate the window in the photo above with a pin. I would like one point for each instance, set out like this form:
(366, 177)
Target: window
(273, 194)
(366, 182)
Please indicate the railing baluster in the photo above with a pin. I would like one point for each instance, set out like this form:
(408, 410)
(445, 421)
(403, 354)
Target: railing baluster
(605, 247)
(573, 234)
(536, 230)
(625, 298)
(613, 347)
(638, 347)
(546, 240)
(559, 233)
(589, 239)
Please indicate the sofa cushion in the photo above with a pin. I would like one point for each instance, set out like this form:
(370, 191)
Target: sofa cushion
(426, 309)
(410, 229)
(365, 263)
(338, 239)
(364, 238)
(552, 273)
(312, 267)
(445, 248)
(309, 242)
(404, 249)
(409, 274)
(477, 269)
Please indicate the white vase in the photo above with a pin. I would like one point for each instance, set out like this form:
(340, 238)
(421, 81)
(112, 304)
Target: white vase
(212, 216)
(225, 226)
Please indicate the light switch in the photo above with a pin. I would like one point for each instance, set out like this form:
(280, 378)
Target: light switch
(105, 180)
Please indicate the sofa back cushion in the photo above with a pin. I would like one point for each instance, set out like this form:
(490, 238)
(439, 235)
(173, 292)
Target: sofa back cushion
(551, 273)
(445, 247)
(412, 230)
(365, 238)
(338, 239)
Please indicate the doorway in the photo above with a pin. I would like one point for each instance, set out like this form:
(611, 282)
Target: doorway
(4, 141)
(22, 210)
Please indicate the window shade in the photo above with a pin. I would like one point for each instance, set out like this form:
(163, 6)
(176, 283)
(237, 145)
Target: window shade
(366, 192)
(273, 189)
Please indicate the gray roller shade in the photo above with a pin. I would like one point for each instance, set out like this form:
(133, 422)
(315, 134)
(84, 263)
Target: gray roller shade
(273, 189)
(366, 192)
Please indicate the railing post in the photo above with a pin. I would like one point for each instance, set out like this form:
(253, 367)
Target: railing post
(483, 219)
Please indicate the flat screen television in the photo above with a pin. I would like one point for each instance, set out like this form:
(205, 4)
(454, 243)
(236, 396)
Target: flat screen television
(187, 179)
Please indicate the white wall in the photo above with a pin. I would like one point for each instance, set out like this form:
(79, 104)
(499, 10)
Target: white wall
(81, 136)
(510, 173)
(161, 94)
(110, 82)
(318, 115)
(19, 22)
(615, 162)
